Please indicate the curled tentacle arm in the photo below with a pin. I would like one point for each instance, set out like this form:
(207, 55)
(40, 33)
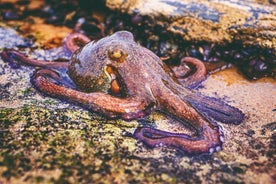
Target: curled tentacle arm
(195, 78)
(209, 137)
(75, 41)
(100, 102)
(209, 141)
(11, 56)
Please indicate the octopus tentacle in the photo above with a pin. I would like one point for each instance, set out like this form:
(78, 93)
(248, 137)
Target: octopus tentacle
(75, 41)
(193, 80)
(100, 102)
(56, 78)
(209, 136)
(215, 109)
(209, 141)
(11, 56)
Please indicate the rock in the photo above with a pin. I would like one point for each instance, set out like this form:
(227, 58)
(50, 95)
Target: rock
(208, 20)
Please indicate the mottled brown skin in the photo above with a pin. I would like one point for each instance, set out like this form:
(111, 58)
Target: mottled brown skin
(118, 78)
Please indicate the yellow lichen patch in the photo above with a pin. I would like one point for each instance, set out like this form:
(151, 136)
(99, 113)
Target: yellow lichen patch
(48, 36)
(230, 15)
(9, 1)
(199, 30)
(122, 4)
(206, 30)
(35, 5)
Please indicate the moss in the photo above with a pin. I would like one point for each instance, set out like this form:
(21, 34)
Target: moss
(74, 142)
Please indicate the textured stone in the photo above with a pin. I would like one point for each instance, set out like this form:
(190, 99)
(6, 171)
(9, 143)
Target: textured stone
(251, 22)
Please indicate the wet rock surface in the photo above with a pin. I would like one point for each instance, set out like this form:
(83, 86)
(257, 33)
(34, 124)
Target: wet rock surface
(44, 140)
(206, 20)
(241, 32)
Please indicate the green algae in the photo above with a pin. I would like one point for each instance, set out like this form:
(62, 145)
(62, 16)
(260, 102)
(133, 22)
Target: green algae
(75, 146)
(38, 138)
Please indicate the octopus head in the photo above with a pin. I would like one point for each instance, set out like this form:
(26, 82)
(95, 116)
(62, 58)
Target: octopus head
(94, 67)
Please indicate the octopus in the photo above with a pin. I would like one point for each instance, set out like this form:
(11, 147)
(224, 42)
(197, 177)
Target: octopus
(118, 78)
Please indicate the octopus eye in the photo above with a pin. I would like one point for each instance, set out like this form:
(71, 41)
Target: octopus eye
(117, 55)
